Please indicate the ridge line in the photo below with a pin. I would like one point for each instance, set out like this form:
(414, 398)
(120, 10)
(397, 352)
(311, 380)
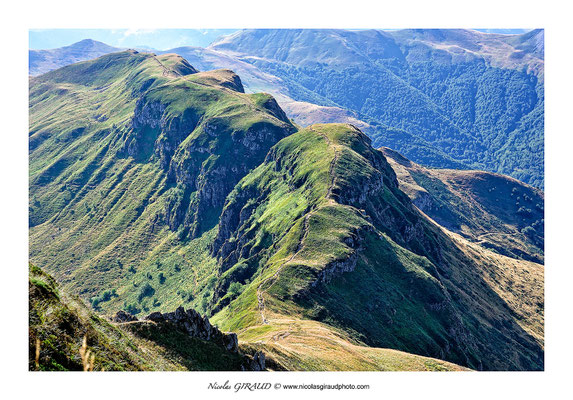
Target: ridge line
(260, 297)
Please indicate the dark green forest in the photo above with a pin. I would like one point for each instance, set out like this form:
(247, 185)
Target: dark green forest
(466, 114)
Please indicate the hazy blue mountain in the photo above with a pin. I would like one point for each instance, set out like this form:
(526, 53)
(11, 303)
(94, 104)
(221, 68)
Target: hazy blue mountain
(504, 31)
(131, 38)
(42, 61)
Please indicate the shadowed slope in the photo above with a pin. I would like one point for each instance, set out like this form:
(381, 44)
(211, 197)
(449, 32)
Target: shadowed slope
(496, 211)
(67, 336)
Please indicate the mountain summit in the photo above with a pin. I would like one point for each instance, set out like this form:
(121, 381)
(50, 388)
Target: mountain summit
(445, 98)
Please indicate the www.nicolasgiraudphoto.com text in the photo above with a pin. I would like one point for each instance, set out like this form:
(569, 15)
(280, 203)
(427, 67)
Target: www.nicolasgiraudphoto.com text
(256, 386)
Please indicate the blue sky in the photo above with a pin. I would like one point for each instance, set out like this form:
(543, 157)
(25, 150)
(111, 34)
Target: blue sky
(159, 39)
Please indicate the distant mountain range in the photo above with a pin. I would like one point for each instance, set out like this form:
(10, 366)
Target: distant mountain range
(154, 185)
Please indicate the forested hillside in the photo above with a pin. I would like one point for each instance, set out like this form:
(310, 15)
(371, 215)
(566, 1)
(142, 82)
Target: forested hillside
(476, 97)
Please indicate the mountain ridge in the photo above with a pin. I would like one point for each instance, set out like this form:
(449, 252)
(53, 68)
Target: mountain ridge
(169, 187)
(460, 118)
(304, 270)
(458, 199)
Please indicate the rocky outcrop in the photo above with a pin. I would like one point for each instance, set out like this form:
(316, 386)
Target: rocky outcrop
(384, 205)
(271, 105)
(190, 322)
(225, 78)
(236, 213)
(205, 151)
(335, 269)
(212, 163)
(339, 267)
(196, 325)
(257, 362)
(156, 132)
(122, 316)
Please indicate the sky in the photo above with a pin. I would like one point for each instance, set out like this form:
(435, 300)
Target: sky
(158, 39)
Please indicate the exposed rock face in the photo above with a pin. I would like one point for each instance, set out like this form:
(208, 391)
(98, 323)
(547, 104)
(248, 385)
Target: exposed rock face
(225, 78)
(388, 208)
(257, 362)
(336, 268)
(271, 105)
(212, 169)
(234, 216)
(375, 192)
(204, 151)
(196, 325)
(156, 132)
(122, 316)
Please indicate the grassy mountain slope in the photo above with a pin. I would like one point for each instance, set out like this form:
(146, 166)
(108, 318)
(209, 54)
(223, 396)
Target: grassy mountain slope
(132, 156)
(289, 92)
(493, 210)
(153, 185)
(474, 100)
(362, 261)
(255, 80)
(302, 112)
(59, 323)
(476, 97)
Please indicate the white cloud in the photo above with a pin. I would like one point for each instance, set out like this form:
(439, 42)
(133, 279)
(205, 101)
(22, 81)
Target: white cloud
(137, 32)
(131, 32)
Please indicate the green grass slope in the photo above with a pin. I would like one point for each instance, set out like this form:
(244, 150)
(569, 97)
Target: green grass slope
(362, 260)
(65, 335)
(153, 185)
(131, 158)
